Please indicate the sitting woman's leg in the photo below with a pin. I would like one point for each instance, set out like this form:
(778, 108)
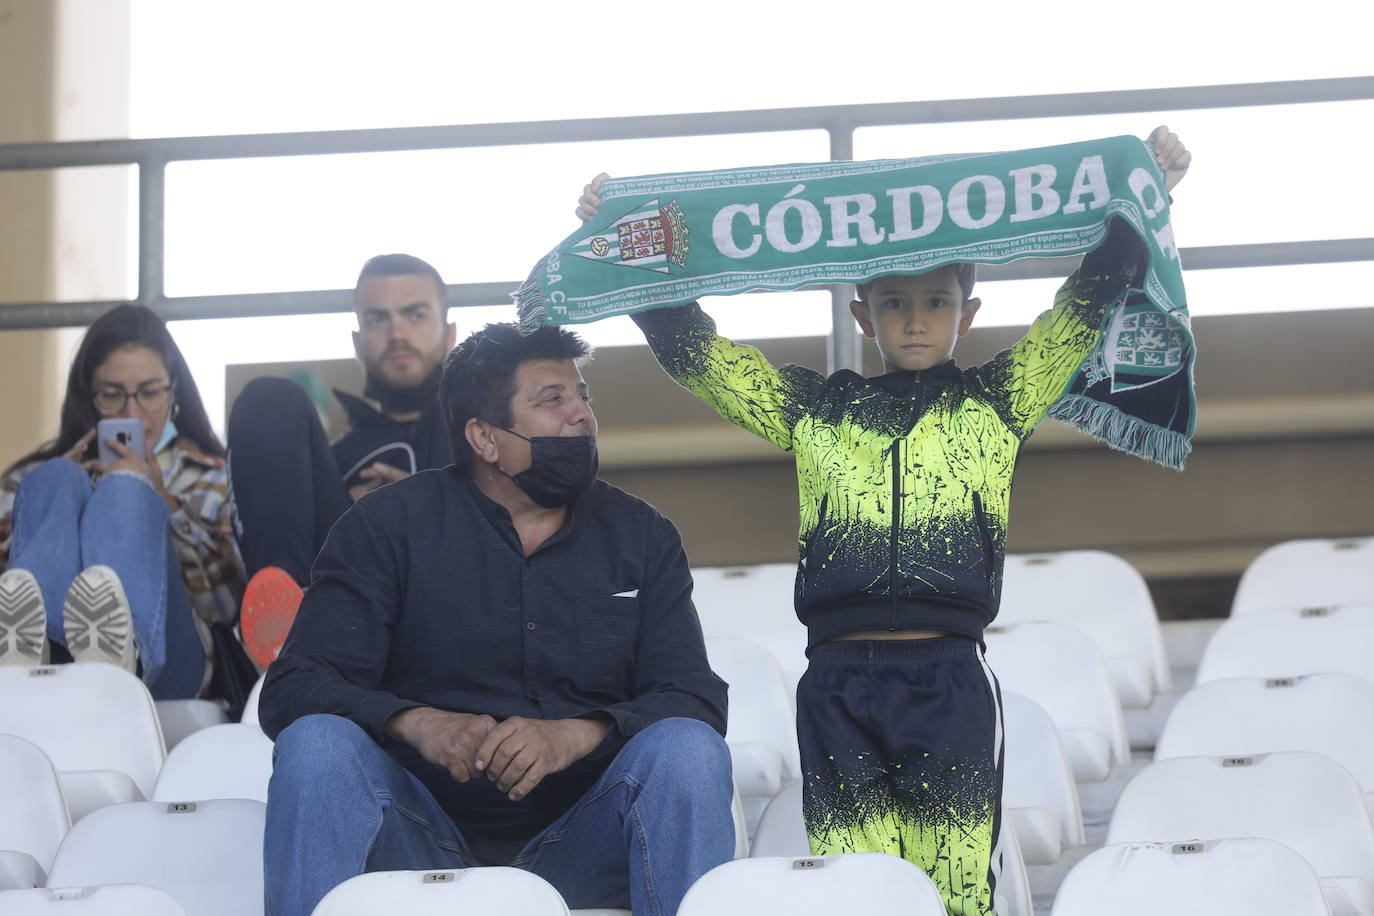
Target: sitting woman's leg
(125, 528)
(47, 514)
(184, 671)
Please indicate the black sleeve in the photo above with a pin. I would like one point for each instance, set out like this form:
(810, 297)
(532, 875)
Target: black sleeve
(672, 676)
(336, 653)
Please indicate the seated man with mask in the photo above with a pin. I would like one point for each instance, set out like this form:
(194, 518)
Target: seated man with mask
(498, 662)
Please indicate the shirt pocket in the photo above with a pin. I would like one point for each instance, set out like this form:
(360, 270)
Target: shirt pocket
(607, 632)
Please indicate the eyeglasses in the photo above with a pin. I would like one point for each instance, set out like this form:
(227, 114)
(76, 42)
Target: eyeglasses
(110, 399)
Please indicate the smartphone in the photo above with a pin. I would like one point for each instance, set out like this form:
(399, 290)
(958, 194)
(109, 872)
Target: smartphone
(126, 430)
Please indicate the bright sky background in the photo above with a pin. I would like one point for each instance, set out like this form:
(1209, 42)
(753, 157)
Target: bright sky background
(1262, 174)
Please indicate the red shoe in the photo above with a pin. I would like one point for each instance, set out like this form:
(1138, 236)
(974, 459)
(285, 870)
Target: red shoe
(269, 608)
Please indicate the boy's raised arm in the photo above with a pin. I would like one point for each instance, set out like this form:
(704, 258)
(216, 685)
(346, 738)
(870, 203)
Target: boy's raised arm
(1035, 371)
(737, 381)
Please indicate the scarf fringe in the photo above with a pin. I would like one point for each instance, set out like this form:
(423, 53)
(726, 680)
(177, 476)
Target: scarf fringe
(531, 308)
(1123, 432)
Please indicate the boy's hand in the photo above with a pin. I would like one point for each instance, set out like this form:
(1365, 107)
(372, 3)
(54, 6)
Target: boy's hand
(588, 204)
(1173, 157)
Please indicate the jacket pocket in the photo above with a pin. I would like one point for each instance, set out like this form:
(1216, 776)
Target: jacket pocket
(607, 633)
(989, 551)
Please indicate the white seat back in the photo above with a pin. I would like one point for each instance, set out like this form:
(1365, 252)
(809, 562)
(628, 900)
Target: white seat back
(223, 761)
(1327, 714)
(760, 710)
(1061, 669)
(1282, 642)
(492, 891)
(34, 817)
(1247, 875)
(250, 706)
(1036, 773)
(754, 602)
(1102, 595)
(1303, 800)
(180, 718)
(856, 883)
(208, 855)
(104, 900)
(1308, 573)
(782, 831)
(85, 717)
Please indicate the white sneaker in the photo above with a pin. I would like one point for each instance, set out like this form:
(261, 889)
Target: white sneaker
(96, 616)
(23, 620)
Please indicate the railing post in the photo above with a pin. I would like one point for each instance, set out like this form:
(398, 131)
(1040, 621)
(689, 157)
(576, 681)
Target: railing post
(843, 349)
(152, 235)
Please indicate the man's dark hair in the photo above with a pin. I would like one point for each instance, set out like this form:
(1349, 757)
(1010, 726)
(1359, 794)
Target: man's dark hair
(397, 265)
(965, 272)
(479, 376)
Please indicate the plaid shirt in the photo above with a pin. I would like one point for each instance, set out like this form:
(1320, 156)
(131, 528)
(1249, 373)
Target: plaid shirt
(202, 527)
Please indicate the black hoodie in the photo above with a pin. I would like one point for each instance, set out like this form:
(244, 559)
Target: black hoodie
(411, 446)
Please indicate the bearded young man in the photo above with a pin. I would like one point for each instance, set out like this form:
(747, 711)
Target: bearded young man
(290, 484)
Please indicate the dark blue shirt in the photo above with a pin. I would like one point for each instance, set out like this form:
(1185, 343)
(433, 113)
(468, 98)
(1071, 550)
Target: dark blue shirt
(422, 596)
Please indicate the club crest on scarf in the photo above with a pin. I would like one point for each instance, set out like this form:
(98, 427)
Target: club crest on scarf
(1144, 345)
(652, 237)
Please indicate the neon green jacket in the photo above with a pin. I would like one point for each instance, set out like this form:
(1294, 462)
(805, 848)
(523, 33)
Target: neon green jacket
(904, 479)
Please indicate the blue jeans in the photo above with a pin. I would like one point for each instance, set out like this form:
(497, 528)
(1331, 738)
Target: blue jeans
(62, 524)
(657, 819)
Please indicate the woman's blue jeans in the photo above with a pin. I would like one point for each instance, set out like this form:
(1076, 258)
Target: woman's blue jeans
(62, 524)
(657, 819)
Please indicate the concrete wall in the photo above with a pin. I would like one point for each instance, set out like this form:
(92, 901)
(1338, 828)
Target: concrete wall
(64, 75)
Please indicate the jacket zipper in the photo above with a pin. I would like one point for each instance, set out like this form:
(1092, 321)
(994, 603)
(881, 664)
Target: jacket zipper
(981, 518)
(896, 527)
(894, 540)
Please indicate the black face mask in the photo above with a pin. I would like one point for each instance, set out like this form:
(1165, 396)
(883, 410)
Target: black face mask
(561, 469)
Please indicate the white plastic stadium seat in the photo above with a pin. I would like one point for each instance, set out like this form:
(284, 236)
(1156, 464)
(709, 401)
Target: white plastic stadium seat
(208, 855)
(1037, 782)
(1309, 573)
(492, 891)
(180, 718)
(1061, 669)
(1240, 875)
(1305, 801)
(223, 761)
(761, 732)
(782, 833)
(856, 883)
(754, 602)
(106, 900)
(250, 707)
(96, 723)
(1106, 598)
(1327, 714)
(33, 814)
(1282, 642)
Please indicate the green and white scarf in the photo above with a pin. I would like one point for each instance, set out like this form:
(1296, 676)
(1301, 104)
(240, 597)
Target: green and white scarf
(663, 240)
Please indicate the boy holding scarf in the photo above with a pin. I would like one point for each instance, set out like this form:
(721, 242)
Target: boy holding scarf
(905, 482)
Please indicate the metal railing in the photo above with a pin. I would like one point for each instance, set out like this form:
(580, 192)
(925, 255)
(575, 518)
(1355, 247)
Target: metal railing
(839, 122)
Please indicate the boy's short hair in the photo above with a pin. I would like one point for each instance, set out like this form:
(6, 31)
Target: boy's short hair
(478, 380)
(966, 274)
(396, 265)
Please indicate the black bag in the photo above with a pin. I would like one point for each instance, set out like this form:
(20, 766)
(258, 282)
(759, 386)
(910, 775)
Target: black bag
(234, 673)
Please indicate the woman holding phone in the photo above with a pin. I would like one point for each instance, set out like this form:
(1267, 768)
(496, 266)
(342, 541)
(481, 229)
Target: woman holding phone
(117, 538)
